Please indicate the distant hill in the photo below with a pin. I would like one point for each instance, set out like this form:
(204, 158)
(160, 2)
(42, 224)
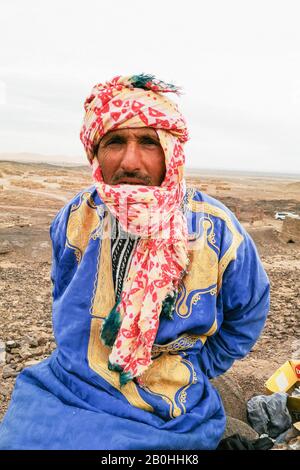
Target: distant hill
(238, 173)
(24, 157)
(295, 186)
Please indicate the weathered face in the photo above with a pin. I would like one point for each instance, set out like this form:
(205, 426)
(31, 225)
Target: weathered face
(132, 156)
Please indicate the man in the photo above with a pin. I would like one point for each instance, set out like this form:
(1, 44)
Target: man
(157, 289)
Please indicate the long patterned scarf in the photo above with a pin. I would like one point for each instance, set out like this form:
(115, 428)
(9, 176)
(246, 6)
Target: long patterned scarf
(152, 213)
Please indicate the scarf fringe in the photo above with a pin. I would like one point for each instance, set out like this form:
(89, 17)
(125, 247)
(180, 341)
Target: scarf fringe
(115, 367)
(125, 377)
(168, 305)
(111, 326)
(150, 82)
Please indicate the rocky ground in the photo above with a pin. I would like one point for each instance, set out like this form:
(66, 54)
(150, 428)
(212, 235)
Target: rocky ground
(31, 194)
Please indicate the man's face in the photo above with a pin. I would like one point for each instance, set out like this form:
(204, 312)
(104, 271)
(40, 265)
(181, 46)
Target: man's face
(132, 156)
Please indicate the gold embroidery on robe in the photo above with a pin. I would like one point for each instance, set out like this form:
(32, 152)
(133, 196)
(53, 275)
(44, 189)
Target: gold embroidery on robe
(169, 376)
(205, 270)
(83, 224)
(104, 293)
(237, 237)
(181, 343)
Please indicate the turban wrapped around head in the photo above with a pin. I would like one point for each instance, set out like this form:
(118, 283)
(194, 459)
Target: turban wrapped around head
(132, 101)
(160, 258)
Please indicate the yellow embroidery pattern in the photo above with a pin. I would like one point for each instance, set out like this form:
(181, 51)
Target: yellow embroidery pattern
(104, 293)
(181, 343)
(202, 271)
(169, 376)
(237, 238)
(205, 270)
(83, 224)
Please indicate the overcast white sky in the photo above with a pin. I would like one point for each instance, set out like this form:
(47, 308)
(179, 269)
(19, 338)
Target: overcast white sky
(237, 61)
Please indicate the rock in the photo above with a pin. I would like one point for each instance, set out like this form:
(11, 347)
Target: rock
(290, 230)
(15, 351)
(4, 392)
(11, 344)
(9, 358)
(5, 247)
(282, 446)
(232, 397)
(236, 426)
(32, 341)
(43, 338)
(294, 444)
(2, 353)
(8, 372)
(42, 341)
(25, 353)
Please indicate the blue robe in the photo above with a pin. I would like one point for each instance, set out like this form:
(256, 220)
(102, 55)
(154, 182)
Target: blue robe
(72, 400)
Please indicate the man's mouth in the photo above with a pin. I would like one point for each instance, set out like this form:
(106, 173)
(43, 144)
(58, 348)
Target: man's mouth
(131, 181)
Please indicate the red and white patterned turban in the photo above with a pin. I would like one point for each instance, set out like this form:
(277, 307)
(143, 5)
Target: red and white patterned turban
(131, 101)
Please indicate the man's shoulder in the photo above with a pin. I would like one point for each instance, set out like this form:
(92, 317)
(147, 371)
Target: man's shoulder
(199, 201)
(88, 195)
(220, 224)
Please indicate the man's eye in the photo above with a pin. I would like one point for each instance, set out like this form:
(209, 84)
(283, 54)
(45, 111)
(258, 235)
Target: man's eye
(148, 141)
(115, 140)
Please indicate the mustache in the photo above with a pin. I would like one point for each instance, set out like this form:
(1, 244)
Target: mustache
(120, 175)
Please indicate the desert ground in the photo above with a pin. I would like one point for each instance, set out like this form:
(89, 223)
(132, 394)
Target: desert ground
(30, 196)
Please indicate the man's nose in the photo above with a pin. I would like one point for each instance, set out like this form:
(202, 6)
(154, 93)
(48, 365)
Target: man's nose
(131, 159)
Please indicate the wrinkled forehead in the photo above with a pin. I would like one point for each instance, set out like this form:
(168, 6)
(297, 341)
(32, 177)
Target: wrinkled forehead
(132, 132)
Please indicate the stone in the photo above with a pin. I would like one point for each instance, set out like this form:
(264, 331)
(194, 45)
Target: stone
(8, 372)
(2, 353)
(4, 392)
(282, 446)
(32, 341)
(236, 426)
(11, 344)
(9, 358)
(294, 444)
(232, 397)
(25, 353)
(43, 338)
(5, 247)
(14, 351)
(291, 230)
